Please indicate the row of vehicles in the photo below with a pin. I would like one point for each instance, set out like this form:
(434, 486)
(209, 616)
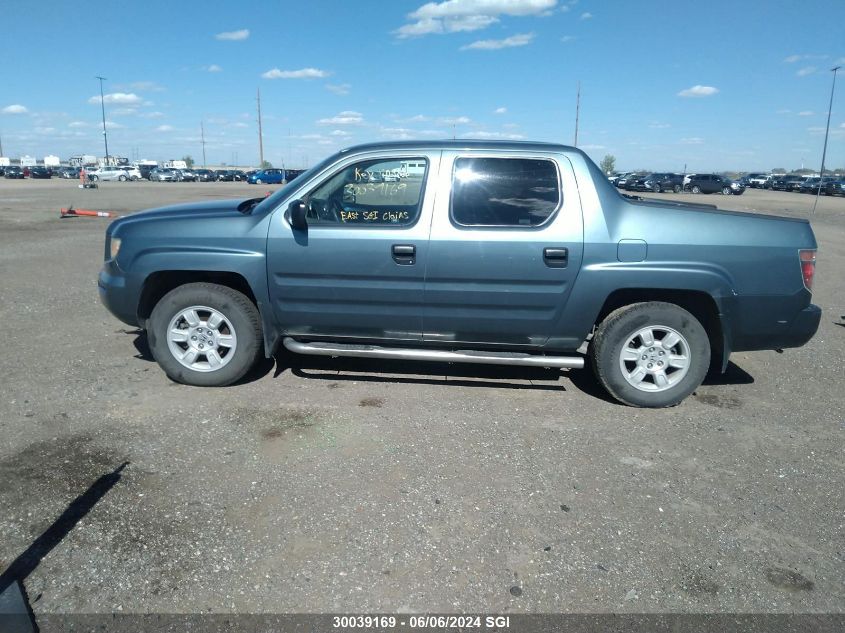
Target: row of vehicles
(797, 183)
(126, 173)
(660, 182)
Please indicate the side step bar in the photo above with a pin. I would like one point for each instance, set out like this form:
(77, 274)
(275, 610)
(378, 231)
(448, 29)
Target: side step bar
(402, 353)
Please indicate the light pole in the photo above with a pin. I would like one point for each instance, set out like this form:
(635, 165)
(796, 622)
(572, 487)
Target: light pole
(103, 108)
(826, 132)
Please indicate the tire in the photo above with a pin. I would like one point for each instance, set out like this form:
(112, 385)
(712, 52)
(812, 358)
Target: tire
(677, 188)
(726, 191)
(238, 323)
(696, 189)
(258, 181)
(122, 178)
(95, 178)
(656, 189)
(620, 342)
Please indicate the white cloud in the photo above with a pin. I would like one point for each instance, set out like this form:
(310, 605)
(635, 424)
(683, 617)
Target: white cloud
(123, 98)
(454, 16)
(797, 58)
(784, 111)
(111, 125)
(658, 126)
(520, 39)
(339, 89)
(567, 38)
(339, 133)
(807, 70)
(233, 36)
(501, 110)
(418, 118)
(15, 108)
(45, 130)
(164, 128)
(493, 135)
(347, 117)
(239, 124)
(589, 147)
(461, 120)
(806, 113)
(586, 15)
(77, 124)
(214, 68)
(692, 140)
(151, 115)
(698, 91)
(302, 73)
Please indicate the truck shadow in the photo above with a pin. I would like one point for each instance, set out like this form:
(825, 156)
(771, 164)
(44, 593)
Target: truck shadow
(410, 372)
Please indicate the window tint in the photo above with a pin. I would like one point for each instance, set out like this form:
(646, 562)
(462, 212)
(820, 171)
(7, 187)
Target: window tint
(370, 193)
(504, 191)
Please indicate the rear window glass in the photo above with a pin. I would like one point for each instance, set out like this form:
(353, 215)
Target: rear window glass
(510, 192)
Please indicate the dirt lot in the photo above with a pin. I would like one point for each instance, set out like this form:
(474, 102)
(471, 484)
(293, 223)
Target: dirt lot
(325, 485)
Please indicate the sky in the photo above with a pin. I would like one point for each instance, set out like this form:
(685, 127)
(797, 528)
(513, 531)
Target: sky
(720, 85)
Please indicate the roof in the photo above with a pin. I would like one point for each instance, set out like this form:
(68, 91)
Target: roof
(459, 144)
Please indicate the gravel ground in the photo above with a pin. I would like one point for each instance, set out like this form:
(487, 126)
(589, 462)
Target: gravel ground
(343, 485)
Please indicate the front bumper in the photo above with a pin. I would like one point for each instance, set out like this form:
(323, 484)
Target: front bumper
(115, 294)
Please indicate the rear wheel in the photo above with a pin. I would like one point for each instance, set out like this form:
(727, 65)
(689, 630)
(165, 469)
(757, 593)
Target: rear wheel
(677, 188)
(651, 354)
(726, 191)
(258, 181)
(205, 334)
(696, 189)
(655, 188)
(95, 178)
(122, 178)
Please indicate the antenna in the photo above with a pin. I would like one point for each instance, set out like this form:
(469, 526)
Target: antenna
(202, 136)
(577, 113)
(260, 133)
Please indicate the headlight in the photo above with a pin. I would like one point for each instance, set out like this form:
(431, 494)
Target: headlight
(114, 247)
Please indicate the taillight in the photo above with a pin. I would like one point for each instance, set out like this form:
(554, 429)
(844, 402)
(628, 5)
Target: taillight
(808, 266)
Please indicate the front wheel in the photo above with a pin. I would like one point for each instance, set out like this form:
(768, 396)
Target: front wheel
(258, 181)
(696, 189)
(205, 334)
(651, 354)
(726, 191)
(677, 188)
(122, 178)
(656, 189)
(95, 178)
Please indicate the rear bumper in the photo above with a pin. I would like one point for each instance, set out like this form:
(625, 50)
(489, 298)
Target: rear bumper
(767, 334)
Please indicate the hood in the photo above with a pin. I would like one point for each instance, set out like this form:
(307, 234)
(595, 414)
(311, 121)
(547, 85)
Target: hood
(199, 210)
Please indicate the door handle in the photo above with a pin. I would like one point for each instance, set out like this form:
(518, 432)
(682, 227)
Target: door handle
(555, 257)
(404, 254)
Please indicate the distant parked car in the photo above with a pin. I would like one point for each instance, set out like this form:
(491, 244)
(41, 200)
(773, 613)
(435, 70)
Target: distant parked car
(40, 172)
(70, 173)
(267, 177)
(789, 182)
(711, 183)
(163, 174)
(14, 172)
(146, 170)
(133, 172)
(811, 185)
(833, 188)
(205, 175)
(185, 175)
(109, 172)
(624, 178)
(225, 175)
(756, 180)
(659, 182)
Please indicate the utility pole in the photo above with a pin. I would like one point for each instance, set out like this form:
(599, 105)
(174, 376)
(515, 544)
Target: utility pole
(103, 108)
(826, 132)
(260, 133)
(577, 113)
(1, 146)
(202, 136)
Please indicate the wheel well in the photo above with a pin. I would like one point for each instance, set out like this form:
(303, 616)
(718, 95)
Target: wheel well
(700, 304)
(160, 283)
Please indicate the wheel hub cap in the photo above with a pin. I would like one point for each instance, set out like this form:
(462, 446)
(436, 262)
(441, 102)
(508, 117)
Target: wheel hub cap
(655, 358)
(201, 338)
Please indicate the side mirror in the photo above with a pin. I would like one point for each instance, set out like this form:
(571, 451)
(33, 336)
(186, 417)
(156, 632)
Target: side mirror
(296, 215)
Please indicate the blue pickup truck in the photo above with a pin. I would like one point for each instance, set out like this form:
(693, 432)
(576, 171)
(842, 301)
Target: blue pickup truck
(463, 251)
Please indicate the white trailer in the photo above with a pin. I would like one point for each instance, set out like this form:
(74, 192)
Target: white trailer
(52, 161)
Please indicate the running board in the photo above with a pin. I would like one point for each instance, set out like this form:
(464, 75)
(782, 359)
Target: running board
(404, 353)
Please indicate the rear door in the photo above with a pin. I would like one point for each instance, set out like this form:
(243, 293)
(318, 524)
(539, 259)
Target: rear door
(358, 271)
(506, 246)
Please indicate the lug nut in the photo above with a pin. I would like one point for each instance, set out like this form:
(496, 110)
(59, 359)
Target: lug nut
(650, 365)
(660, 363)
(193, 338)
(644, 357)
(661, 353)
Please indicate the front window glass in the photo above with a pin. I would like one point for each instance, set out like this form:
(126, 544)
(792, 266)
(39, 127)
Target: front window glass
(380, 192)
